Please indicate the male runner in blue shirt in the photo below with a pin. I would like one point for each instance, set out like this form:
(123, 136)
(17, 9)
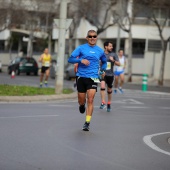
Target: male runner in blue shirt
(87, 75)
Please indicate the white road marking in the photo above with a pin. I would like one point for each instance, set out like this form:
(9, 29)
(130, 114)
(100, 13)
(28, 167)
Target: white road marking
(62, 105)
(165, 108)
(123, 102)
(128, 101)
(135, 101)
(28, 116)
(134, 107)
(159, 93)
(75, 106)
(148, 141)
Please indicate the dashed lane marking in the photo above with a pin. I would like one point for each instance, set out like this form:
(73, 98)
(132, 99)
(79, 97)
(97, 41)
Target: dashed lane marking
(33, 116)
(127, 101)
(134, 107)
(166, 108)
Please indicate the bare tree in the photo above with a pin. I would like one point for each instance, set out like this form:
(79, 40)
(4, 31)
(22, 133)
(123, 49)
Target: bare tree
(10, 17)
(4, 13)
(161, 22)
(125, 15)
(97, 12)
(48, 11)
(73, 13)
(33, 16)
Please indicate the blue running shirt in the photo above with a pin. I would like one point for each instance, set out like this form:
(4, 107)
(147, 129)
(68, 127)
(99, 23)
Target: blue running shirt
(94, 54)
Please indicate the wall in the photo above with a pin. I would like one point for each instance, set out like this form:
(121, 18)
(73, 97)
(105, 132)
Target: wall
(149, 65)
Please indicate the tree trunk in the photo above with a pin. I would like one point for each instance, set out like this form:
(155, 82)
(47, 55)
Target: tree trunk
(29, 45)
(70, 45)
(129, 79)
(20, 44)
(161, 74)
(49, 42)
(10, 47)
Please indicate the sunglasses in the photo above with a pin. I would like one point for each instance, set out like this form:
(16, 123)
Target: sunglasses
(89, 36)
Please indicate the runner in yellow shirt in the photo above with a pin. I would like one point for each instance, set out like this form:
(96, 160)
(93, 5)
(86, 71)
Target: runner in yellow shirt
(45, 59)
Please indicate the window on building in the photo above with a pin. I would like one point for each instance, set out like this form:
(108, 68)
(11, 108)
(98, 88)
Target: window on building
(2, 45)
(141, 17)
(161, 13)
(154, 45)
(138, 48)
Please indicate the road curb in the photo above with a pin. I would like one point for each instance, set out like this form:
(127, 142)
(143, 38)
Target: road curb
(37, 98)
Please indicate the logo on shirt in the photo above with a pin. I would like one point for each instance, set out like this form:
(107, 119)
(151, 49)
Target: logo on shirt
(92, 52)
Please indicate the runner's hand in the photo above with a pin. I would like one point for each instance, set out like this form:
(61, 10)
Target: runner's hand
(103, 75)
(85, 62)
(111, 59)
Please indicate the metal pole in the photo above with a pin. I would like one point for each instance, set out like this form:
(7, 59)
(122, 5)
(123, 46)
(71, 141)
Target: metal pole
(61, 47)
(153, 65)
(118, 39)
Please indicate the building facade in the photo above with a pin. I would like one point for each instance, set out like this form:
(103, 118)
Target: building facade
(146, 45)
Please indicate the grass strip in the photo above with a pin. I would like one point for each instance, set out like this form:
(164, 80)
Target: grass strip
(15, 90)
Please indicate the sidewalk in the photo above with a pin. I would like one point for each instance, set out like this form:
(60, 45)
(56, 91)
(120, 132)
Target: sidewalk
(151, 81)
(38, 98)
(135, 85)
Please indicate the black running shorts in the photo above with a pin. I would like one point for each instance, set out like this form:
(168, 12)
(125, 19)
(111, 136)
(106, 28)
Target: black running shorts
(84, 84)
(109, 81)
(43, 69)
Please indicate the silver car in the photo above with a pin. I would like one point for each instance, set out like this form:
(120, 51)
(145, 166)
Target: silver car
(69, 72)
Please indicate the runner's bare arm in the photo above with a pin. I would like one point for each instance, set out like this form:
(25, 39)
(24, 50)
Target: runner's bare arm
(40, 59)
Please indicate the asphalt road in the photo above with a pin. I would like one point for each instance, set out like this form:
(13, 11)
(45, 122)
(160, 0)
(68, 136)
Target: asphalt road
(48, 136)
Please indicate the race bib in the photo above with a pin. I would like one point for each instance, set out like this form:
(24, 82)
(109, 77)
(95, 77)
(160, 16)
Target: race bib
(47, 64)
(108, 66)
(96, 80)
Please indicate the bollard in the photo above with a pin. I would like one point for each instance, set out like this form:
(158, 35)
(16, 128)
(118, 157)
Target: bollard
(145, 82)
(13, 74)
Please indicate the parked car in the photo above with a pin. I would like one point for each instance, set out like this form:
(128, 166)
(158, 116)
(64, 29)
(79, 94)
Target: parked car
(23, 65)
(53, 68)
(69, 72)
(0, 66)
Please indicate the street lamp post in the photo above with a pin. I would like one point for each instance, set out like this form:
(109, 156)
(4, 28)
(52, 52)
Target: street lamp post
(61, 47)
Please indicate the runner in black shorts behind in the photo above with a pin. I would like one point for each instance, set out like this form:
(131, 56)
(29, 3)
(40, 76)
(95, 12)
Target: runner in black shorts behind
(112, 59)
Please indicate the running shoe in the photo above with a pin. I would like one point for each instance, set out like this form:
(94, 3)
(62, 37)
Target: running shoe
(102, 106)
(46, 84)
(82, 108)
(108, 108)
(75, 85)
(86, 126)
(121, 91)
(41, 85)
(115, 91)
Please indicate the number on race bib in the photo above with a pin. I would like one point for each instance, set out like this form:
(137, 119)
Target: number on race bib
(108, 66)
(47, 64)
